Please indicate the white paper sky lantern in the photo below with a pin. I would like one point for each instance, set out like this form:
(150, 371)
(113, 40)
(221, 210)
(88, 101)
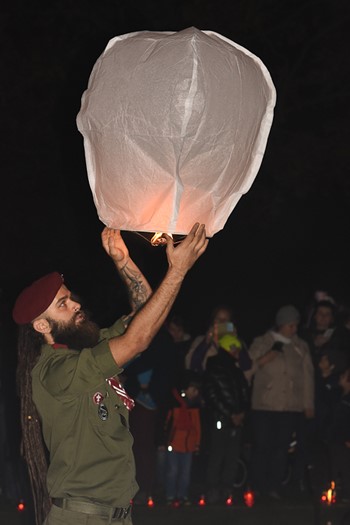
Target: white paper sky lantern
(175, 126)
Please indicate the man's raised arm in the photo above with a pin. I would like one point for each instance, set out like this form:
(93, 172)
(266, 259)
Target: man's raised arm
(137, 285)
(152, 315)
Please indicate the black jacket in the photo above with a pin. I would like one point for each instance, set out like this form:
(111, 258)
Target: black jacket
(339, 431)
(226, 390)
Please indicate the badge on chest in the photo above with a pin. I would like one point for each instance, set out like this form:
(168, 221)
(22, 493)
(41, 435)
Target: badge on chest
(101, 407)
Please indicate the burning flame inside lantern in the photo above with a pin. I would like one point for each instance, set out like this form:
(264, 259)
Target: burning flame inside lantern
(159, 239)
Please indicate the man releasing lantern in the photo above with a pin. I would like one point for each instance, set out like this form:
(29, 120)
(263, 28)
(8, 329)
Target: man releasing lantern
(175, 126)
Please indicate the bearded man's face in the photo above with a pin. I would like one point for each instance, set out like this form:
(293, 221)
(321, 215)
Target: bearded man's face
(78, 333)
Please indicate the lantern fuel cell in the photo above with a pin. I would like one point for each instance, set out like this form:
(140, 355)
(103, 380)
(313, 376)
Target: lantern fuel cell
(175, 126)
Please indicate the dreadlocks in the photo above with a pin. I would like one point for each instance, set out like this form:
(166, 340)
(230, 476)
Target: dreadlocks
(32, 447)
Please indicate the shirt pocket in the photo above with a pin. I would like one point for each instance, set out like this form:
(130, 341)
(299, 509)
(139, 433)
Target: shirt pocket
(106, 414)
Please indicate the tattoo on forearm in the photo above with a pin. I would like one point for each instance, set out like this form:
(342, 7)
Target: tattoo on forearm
(136, 288)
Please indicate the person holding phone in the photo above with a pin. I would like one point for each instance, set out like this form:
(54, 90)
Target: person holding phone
(206, 345)
(282, 394)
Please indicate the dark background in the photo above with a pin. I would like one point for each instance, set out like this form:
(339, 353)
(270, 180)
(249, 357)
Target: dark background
(288, 235)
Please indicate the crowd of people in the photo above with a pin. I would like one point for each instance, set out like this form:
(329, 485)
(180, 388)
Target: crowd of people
(286, 394)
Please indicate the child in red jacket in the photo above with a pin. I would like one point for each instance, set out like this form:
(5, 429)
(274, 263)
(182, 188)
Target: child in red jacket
(183, 429)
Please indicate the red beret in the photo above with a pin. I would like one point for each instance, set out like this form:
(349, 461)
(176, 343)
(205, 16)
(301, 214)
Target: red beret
(36, 298)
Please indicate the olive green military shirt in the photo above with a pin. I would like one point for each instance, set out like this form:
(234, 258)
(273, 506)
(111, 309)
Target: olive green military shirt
(85, 423)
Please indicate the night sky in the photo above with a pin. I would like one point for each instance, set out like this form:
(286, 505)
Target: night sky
(287, 237)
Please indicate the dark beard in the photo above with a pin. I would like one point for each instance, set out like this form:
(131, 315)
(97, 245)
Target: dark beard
(84, 335)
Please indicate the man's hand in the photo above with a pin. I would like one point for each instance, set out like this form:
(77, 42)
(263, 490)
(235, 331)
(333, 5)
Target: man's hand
(277, 346)
(114, 245)
(183, 257)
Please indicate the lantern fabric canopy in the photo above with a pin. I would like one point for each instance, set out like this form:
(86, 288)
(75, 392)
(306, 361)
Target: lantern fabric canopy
(175, 126)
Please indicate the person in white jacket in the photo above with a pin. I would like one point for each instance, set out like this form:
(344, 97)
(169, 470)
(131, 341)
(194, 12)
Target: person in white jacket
(282, 395)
